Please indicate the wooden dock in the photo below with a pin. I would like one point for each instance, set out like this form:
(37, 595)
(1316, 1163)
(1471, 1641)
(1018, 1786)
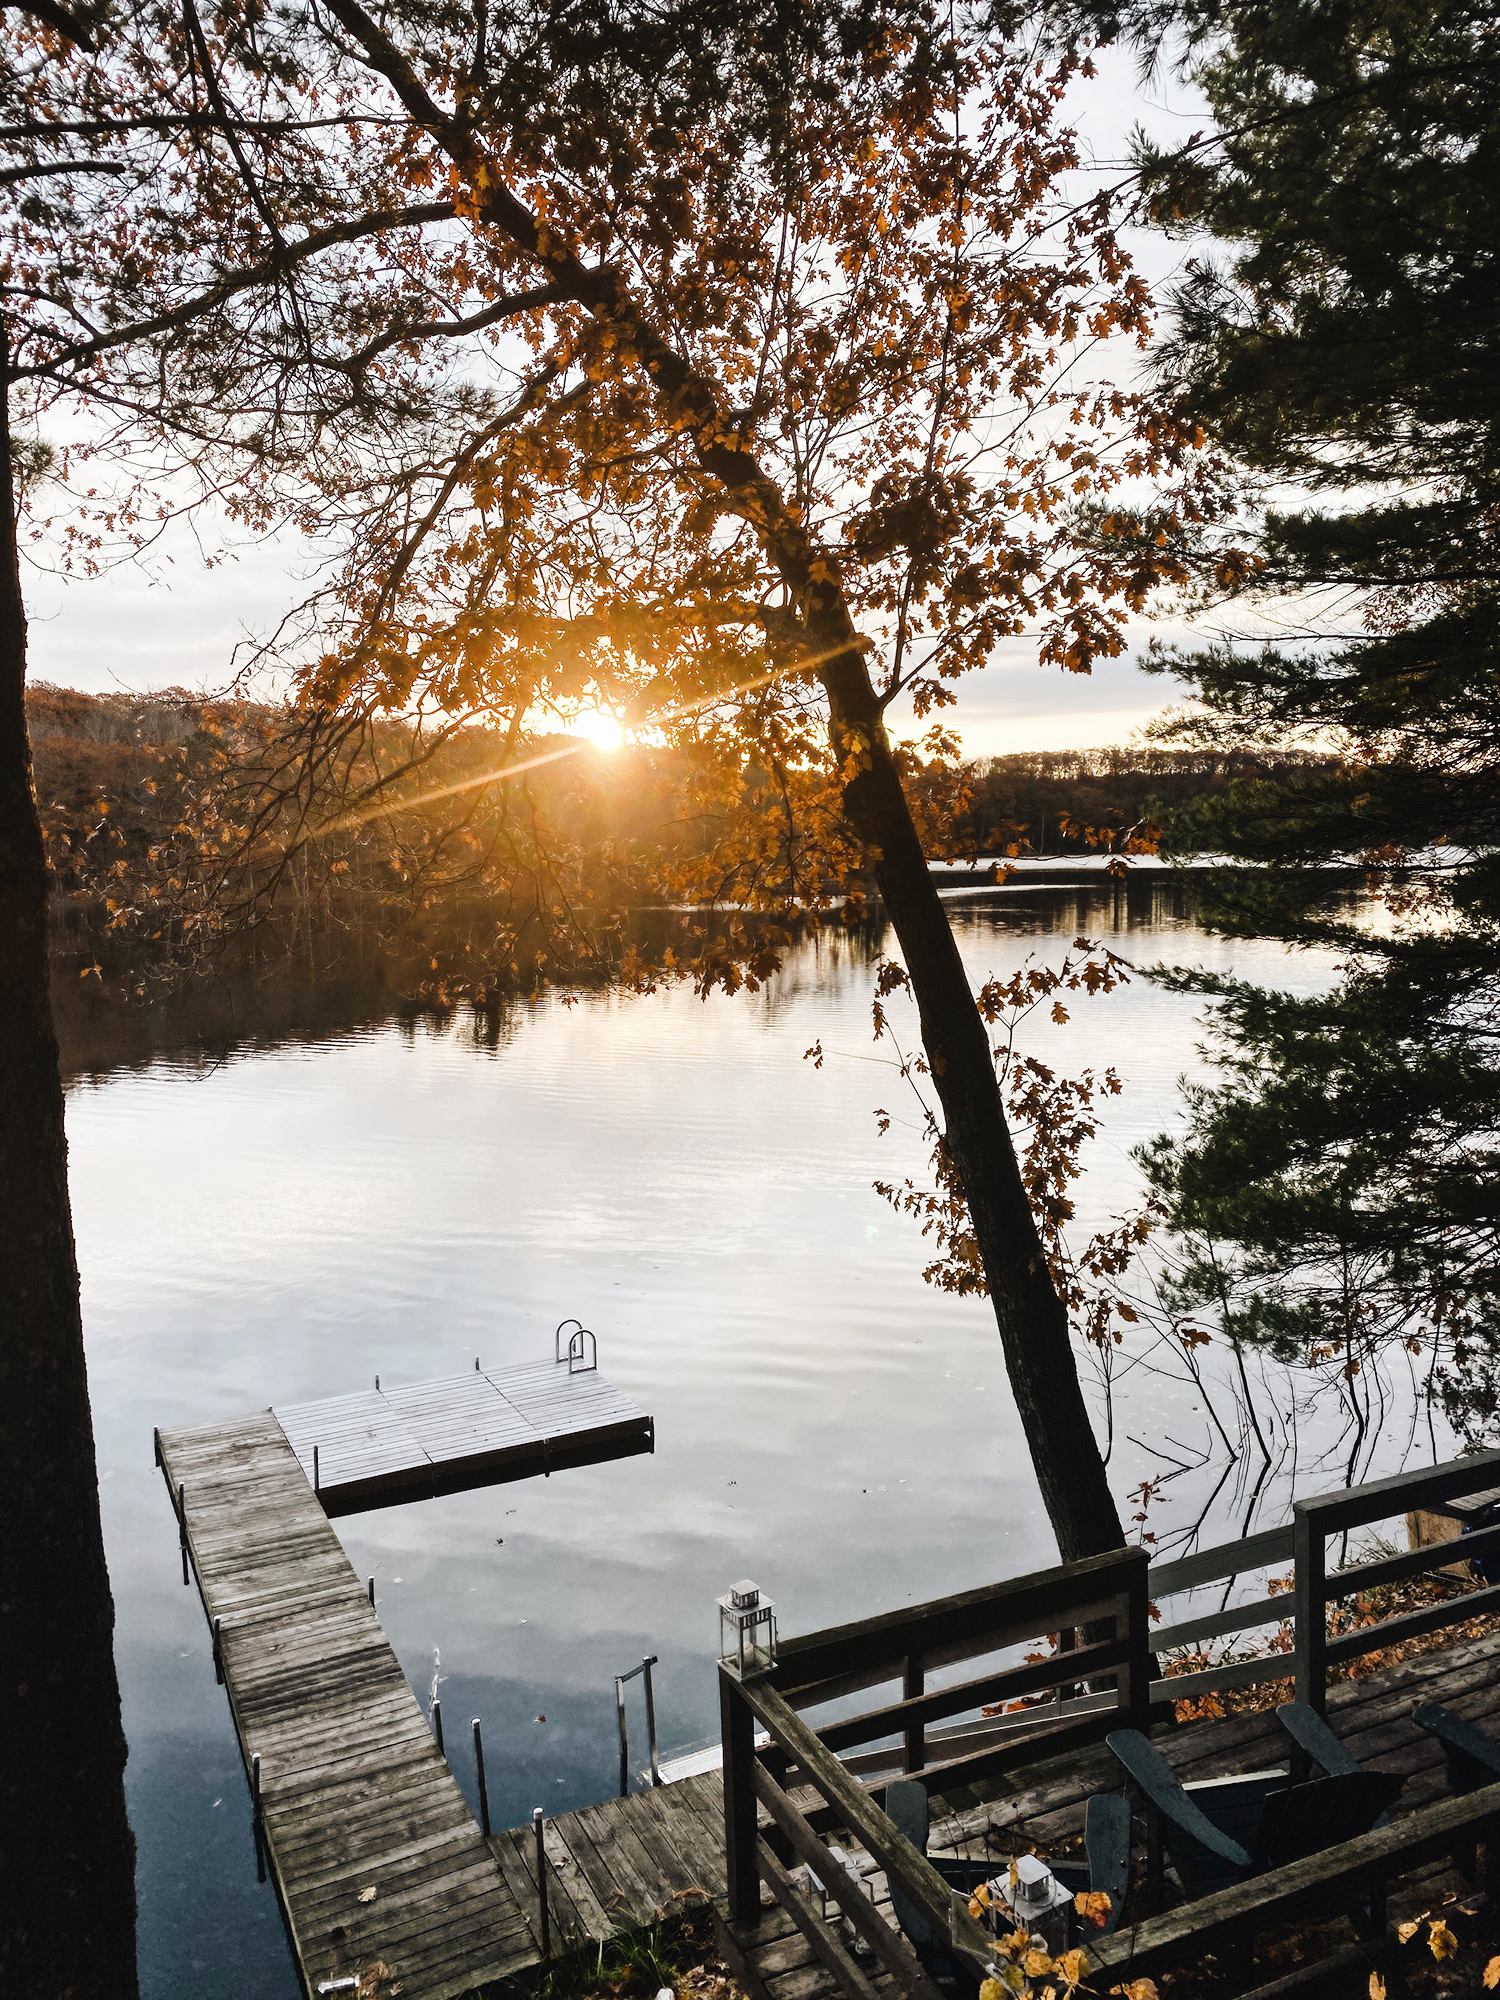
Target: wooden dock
(373, 1851)
(375, 1856)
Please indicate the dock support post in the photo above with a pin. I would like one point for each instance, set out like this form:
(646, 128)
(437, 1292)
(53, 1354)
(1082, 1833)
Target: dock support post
(372, 1593)
(182, 1530)
(484, 1797)
(437, 1724)
(257, 1820)
(218, 1653)
(541, 1885)
(742, 1864)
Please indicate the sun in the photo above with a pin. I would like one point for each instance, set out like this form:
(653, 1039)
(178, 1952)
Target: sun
(600, 727)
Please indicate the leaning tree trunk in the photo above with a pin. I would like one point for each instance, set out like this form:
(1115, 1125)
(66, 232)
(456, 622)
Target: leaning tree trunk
(1033, 1324)
(67, 1856)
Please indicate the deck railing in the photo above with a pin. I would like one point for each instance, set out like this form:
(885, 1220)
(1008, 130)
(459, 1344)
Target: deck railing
(1302, 1546)
(1101, 1677)
(1314, 1521)
(1100, 1610)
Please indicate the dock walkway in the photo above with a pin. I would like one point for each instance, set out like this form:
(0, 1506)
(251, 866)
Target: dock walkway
(375, 1856)
(354, 1794)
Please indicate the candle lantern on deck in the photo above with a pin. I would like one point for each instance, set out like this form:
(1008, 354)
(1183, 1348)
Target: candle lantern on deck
(747, 1630)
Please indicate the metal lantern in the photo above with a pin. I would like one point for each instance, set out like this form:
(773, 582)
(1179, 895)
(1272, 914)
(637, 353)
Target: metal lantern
(747, 1630)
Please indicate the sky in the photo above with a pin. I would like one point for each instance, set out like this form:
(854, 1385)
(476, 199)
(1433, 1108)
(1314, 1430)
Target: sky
(178, 624)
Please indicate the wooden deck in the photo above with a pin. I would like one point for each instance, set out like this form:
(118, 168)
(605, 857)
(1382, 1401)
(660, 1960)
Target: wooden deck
(383, 1446)
(621, 1865)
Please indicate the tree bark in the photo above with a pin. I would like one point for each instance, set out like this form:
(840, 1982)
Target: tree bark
(67, 1855)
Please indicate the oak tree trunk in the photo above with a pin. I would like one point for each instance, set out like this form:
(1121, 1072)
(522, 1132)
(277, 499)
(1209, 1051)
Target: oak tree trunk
(1033, 1324)
(67, 1856)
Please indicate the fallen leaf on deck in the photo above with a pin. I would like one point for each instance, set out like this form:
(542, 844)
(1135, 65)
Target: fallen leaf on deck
(1492, 1973)
(367, 1895)
(1440, 1941)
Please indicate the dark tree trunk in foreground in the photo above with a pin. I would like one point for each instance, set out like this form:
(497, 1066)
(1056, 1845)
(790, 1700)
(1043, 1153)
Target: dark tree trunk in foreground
(67, 1856)
(1033, 1323)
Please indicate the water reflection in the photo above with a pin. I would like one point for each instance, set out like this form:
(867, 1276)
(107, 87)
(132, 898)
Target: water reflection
(275, 1209)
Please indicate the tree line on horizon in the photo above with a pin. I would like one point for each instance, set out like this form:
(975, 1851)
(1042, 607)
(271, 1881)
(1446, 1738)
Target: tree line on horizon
(444, 897)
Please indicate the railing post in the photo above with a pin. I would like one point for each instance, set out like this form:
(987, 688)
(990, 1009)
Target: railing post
(1310, 1597)
(914, 1683)
(1133, 1696)
(737, 1731)
(543, 1907)
(624, 1738)
(646, 1665)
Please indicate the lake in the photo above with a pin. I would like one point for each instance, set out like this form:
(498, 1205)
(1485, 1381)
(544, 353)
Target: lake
(269, 1223)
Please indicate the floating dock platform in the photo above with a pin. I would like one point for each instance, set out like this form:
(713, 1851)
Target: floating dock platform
(384, 1446)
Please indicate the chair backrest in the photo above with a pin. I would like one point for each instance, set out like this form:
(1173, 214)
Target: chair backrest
(1308, 1818)
(1106, 1842)
(1158, 1785)
(906, 1809)
(1311, 1733)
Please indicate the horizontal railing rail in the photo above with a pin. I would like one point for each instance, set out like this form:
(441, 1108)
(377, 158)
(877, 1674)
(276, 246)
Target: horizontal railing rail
(824, 1666)
(1235, 1916)
(751, 1859)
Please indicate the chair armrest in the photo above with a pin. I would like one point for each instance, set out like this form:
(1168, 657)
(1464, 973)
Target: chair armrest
(1158, 1785)
(1106, 1840)
(1311, 1733)
(1473, 1757)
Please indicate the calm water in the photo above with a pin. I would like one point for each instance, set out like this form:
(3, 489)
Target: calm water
(283, 1223)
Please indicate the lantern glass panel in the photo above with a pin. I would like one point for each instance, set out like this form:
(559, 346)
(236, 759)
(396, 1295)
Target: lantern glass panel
(758, 1641)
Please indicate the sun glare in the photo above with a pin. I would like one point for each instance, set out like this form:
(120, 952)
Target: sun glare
(599, 726)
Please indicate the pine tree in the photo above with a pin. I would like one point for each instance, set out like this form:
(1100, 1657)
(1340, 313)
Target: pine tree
(1337, 1192)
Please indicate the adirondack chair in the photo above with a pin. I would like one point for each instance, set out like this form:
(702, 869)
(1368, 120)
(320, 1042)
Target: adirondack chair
(1106, 1842)
(1229, 1829)
(1319, 1746)
(1316, 1740)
